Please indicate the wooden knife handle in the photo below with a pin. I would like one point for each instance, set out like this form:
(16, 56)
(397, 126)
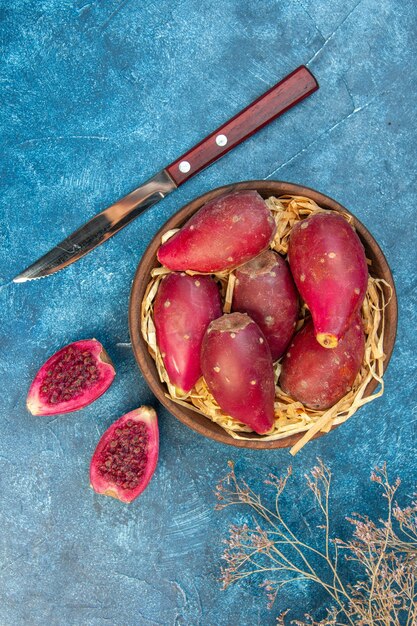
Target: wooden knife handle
(284, 95)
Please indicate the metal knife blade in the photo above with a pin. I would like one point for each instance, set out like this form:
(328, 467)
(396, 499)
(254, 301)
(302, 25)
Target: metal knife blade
(100, 228)
(288, 92)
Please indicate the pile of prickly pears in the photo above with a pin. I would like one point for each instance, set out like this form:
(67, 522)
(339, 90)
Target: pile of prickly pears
(326, 269)
(234, 352)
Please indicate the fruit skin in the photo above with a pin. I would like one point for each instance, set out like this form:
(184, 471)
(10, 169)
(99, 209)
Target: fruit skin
(95, 371)
(237, 367)
(328, 263)
(226, 232)
(106, 483)
(319, 377)
(265, 290)
(184, 306)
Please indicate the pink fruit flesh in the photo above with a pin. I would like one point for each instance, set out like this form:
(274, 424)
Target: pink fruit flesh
(184, 307)
(126, 455)
(73, 377)
(329, 267)
(319, 377)
(224, 233)
(237, 367)
(265, 290)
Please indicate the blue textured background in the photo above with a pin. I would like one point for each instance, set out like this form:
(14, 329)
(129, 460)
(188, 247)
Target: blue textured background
(96, 97)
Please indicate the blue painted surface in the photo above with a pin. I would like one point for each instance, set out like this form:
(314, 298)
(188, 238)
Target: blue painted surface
(96, 97)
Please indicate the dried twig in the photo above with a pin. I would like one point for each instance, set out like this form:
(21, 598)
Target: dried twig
(385, 551)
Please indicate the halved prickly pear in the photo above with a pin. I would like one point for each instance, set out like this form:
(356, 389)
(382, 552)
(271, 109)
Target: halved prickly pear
(70, 379)
(184, 307)
(237, 366)
(329, 266)
(224, 233)
(265, 290)
(319, 377)
(126, 455)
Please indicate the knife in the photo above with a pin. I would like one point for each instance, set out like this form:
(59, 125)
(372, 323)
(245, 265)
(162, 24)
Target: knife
(284, 95)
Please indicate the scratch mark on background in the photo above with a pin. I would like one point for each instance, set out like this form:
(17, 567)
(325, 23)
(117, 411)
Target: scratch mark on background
(112, 15)
(262, 69)
(199, 604)
(134, 578)
(310, 17)
(349, 92)
(323, 134)
(189, 522)
(54, 419)
(89, 607)
(258, 77)
(63, 138)
(332, 34)
(56, 437)
(306, 522)
(178, 588)
(85, 7)
(23, 554)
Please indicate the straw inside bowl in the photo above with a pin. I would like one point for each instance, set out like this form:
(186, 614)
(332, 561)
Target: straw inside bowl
(291, 417)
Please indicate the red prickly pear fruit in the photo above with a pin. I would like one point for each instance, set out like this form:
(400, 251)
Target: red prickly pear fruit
(319, 377)
(184, 307)
(126, 455)
(72, 378)
(224, 233)
(265, 290)
(328, 263)
(237, 367)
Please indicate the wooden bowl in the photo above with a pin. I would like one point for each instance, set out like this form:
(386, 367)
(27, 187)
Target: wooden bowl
(266, 188)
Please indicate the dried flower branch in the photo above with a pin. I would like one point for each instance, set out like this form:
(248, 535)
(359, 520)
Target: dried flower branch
(385, 552)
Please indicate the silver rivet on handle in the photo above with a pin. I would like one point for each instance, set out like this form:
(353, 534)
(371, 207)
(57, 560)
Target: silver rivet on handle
(184, 167)
(221, 140)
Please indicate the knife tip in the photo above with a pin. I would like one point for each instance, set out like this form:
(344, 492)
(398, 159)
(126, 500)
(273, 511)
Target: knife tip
(20, 278)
